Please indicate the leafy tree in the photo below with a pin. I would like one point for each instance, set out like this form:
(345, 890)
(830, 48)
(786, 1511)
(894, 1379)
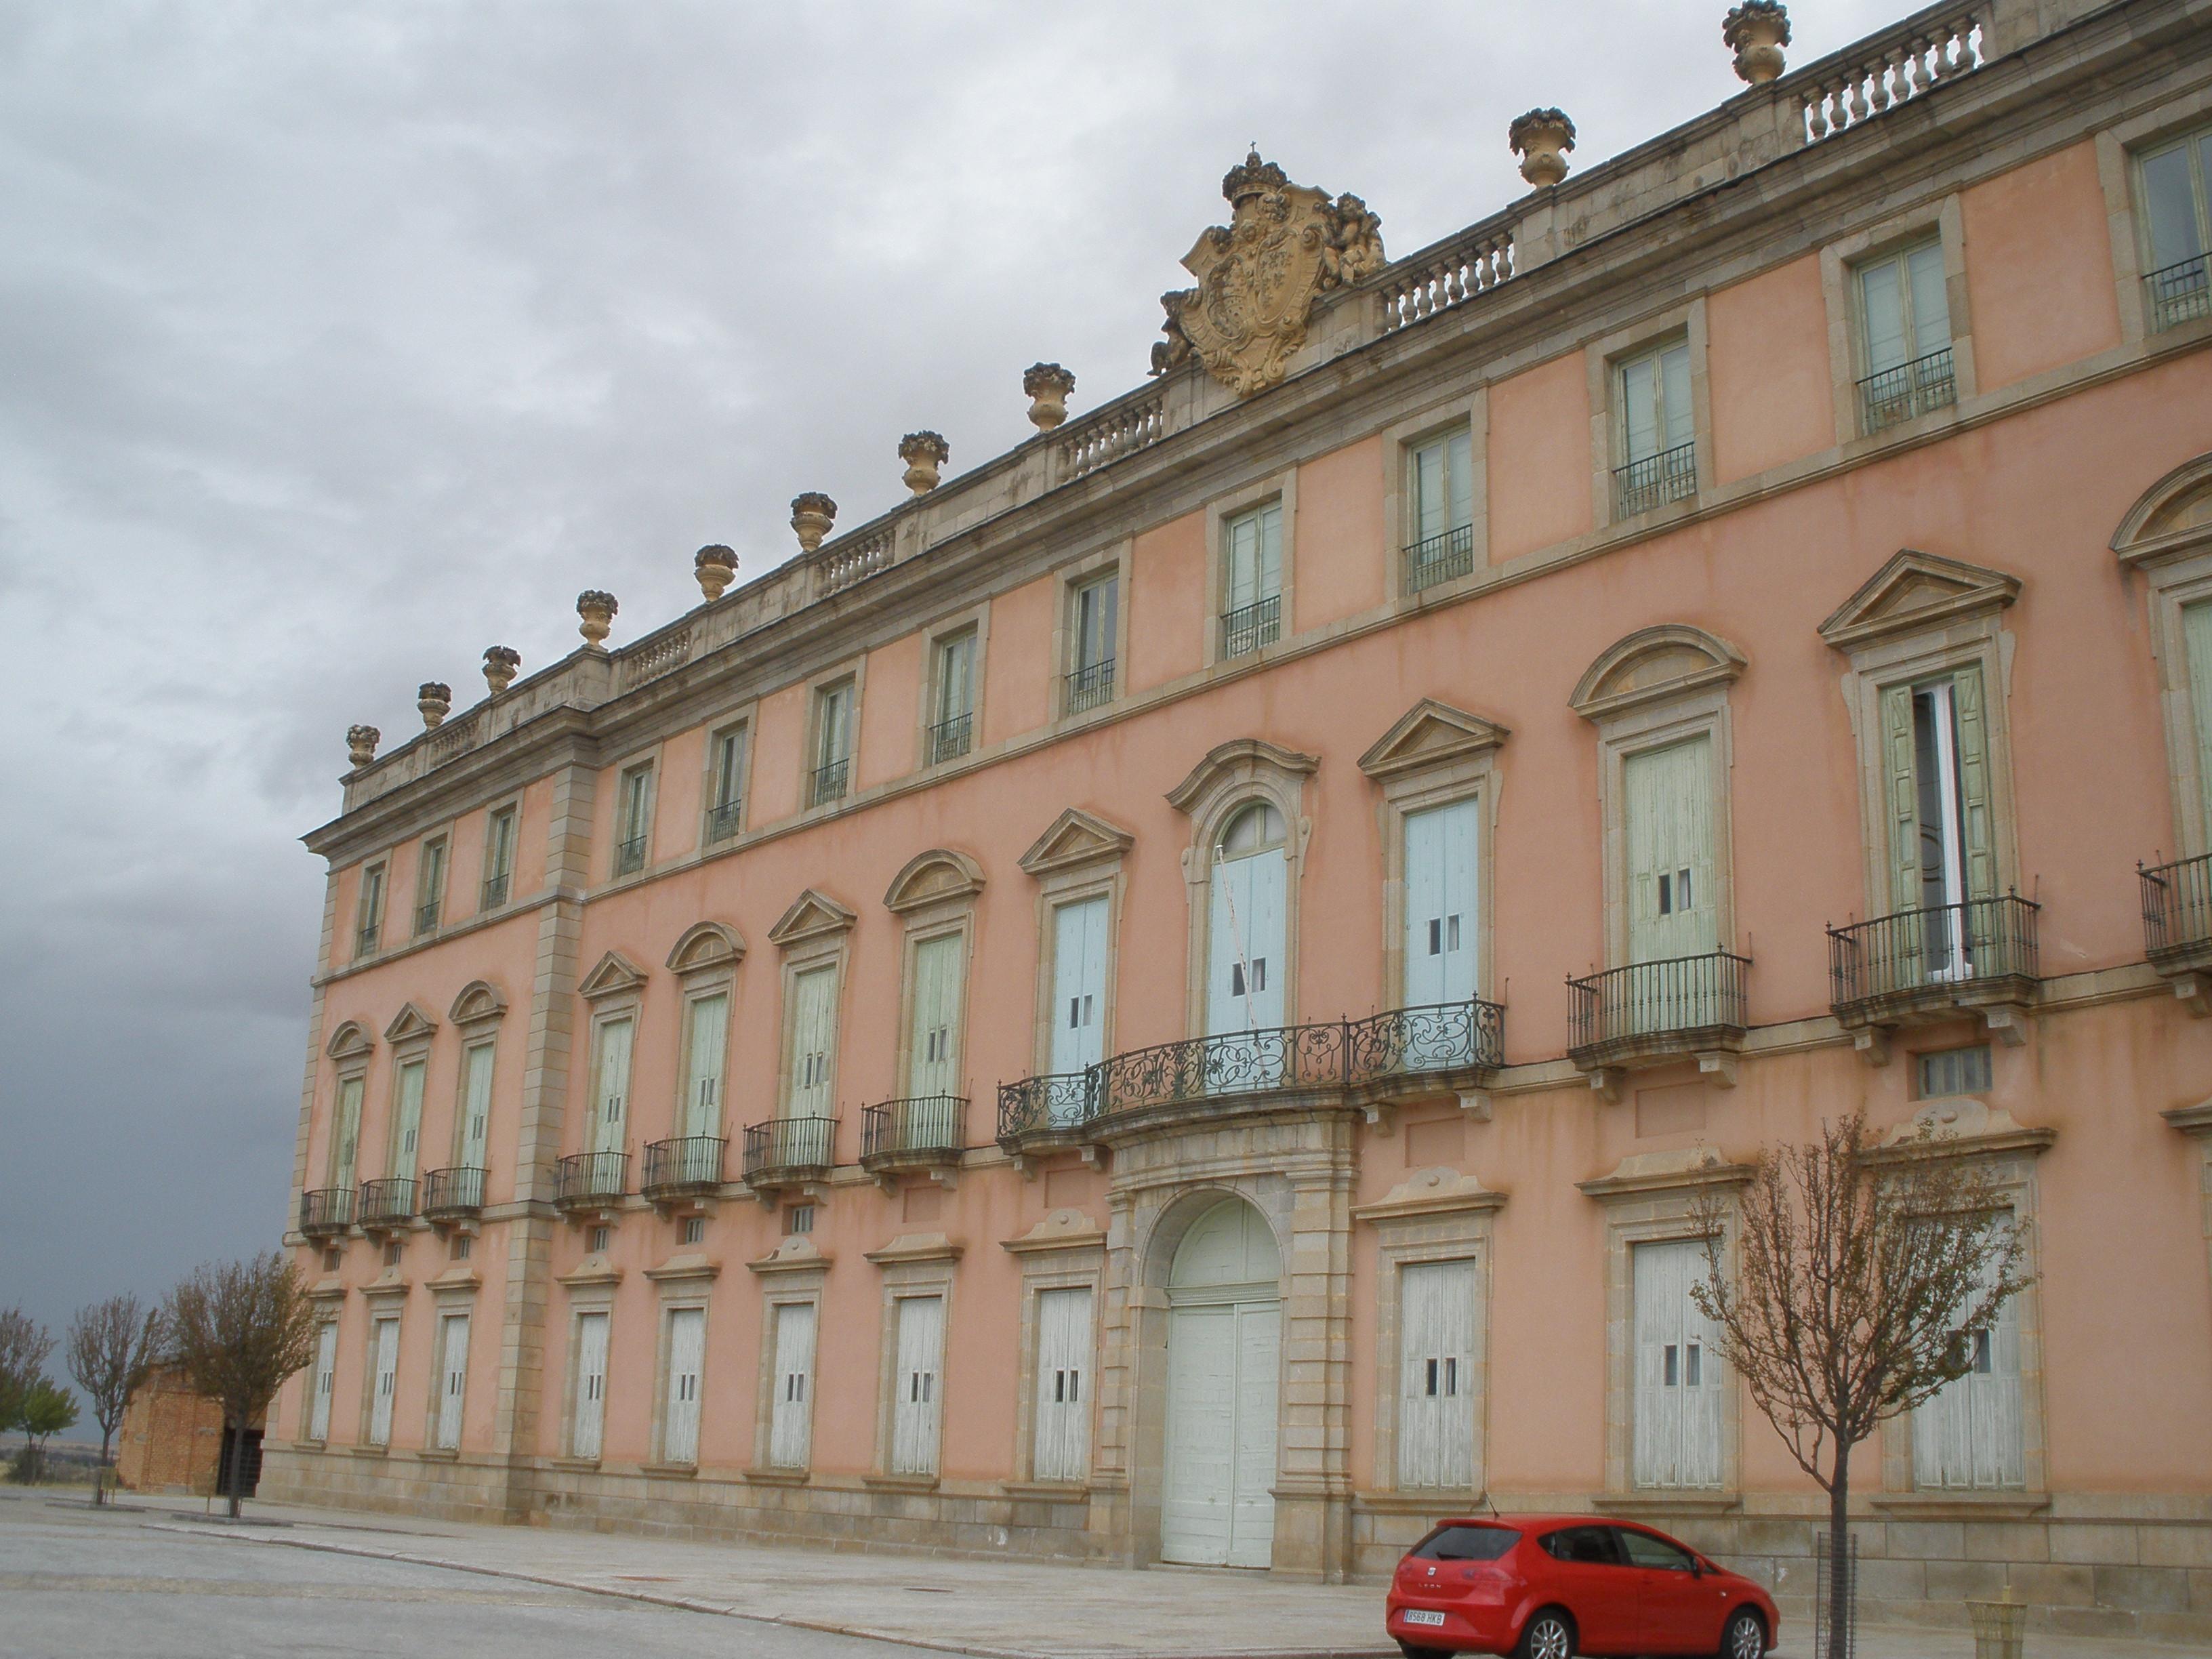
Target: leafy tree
(111, 1348)
(1861, 1270)
(238, 1330)
(45, 1410)
(24, 1345)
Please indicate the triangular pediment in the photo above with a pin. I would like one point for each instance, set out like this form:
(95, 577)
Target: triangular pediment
(480, 999)
(1916, 589)
(811, 914)
(1075, 839)
(933, 877)
(706, 945)
(2173, 518)
(616, 973)
(411, 1022)
(351, 1038)
(1430, 734)
(1653, 664)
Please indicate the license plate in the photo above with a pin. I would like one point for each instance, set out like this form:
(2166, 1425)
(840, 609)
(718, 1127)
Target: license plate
(1423, 1616)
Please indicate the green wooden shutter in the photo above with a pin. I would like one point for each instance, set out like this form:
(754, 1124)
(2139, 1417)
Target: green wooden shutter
(1976, 811)
(710, 1019)
(1902, 799)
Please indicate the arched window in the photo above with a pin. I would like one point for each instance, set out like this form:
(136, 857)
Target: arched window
(1255, 830)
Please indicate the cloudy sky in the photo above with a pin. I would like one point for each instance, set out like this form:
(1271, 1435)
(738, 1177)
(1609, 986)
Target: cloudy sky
(338, 342)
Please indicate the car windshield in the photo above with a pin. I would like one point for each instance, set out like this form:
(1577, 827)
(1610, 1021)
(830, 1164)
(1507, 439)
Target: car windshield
(1478, 1543)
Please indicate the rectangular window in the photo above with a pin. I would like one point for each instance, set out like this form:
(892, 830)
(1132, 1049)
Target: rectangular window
(2176, 230)
(1667, 809)
(1097, 620)
(917, 1384)
(832, 744)
(453, 1378)
(693, 1230)
(1969, 1435)
(1954, 1072)
(1657, 431)
(932, 1044)
(1439, 510)
(429, 886)
(369, 918)
(610, 1086)
(633, 818)
(499, 857)
(384, 1376)
(345, 1133)
(798, 1219)
(1942, 836)
(591, 1385)
(319, 1390)
(952, 727)
(476, 1062)
(460, 1248)
(1078, 986)
(1435, 1414)
(1062, 1450)
(726, 787)
(813, 1041)
(1252, 581)
(791, 1411)
(1677, 1424)
(706, 1052)
(680, 1420)
(407, 1120)
(1904, 321)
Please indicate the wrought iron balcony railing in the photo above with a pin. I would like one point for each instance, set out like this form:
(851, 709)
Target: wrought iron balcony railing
(914, 1130)
(826, 782)
(1059, 1100)
(722, 820)
(1927, 956)
(1899, 394)
(326, 1210)
(584, 1180)
(2180, 293)
(1090, 685)
(629, 856)
(1654, 480)
(1663, 1005)
(495, 891)
(1249, 626)
(787, 1148)
(1440, 558)
(454, 1194)
(426, 917)
(2177, 910)
(388, 1201)
(950, 739)
(365, 938)
(690, 1163)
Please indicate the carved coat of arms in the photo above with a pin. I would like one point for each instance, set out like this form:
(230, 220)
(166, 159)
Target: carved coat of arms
(1285, 246)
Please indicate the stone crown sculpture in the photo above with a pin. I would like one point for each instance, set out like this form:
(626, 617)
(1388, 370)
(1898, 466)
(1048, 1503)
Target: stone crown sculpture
(923, 453)
(813, 516)
(716, 567)
(500, 664)
(1539, 138)
(597, 610)
(361, 744)
(1756, 32)
(435, 700)
(1047, 386)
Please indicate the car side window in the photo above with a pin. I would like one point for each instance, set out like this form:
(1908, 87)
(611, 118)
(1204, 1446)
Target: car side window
(1587, 1545)
(1644, 1550)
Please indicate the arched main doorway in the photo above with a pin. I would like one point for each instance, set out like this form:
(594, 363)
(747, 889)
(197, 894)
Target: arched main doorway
(1225, 1342)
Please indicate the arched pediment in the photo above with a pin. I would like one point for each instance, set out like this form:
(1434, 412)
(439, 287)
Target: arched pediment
(933, 877)
(707, 945)
(1653, 663)
(615, 974)
(411, 1022)
(1239, 760)
(1430, 734)
(811, 914)
(480, 999)
(1076, 838)
(2173, 516)
(1915, 589)
(351, 1038)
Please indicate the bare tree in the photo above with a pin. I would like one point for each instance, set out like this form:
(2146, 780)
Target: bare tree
(111, 1349)
(1862, 1270)
(238, 1330)
(24, 1345)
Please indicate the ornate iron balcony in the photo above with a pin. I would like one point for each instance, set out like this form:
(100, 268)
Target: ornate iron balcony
(689, 1164)
(454, 1194)
(364, 940)
(1090, 685)
(426, 917)
(1670, 475)
(722, 821)
(784, 1150)
(826, 782)
(1933, 959)
(629, 856)
(949, 739)
(1041, 1105)
(2177, 912)
(586, 1181)
(495, 891)
(388, 1202)
(326, 1211)
(2180, 293)
(923, 1129)
(1896, 395)
(1440, 558)
(1650, 1010)
(1249, 626)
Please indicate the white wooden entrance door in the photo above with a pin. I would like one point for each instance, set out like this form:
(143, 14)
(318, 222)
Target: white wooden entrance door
(407, 1132)
(1079, 987)
(476, 1104)
(1970, 1434)
(704, 1064)
(1063, 1390)
(1440, 911)
(789, 1433)
(611, 1097)
(679, 1421)
(1678, 1371)
(1669, 808)
(591, 1404)
(915, 1407)
(326, 1360)
(385, 1373)
(1436, 1357)
(1218, 1507)
(452, 1379)
(932, 1044)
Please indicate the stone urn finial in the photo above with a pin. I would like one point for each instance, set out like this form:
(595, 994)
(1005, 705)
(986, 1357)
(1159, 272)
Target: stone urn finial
(361, 744)
(435, 700)
(502, 662)
(716, 567)
(1756, 32)
(598, 609)
(923, 453)
(1539, 139)
(812, 513)
(1048, 386)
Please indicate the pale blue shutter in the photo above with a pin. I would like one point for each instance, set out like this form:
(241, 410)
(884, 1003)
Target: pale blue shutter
(591, 1385)
(1674, 390)
(813, 1041)
(934, 1067)
(2196, 631)
(1881, 315)
(1079, 984)
(790, 1415)
(710, 1022)
(679, 1423)
(345, 1133)
(407, 1134)
(1931, 307)
(611, 1098)
(476, 1104)
(1639, 408)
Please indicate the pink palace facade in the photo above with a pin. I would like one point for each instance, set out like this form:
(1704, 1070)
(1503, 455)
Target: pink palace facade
(1170, 997)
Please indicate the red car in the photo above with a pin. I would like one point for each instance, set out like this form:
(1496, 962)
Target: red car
(1553, 1586)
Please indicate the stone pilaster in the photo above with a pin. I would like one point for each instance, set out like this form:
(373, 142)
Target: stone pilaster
(314, 1047)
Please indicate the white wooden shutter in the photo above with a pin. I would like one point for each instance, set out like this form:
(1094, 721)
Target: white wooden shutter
(407, 1132)
(1677, 1425)
(1971, 1434)
(1435, 1422)
(1639, 409)
(590, 1395)
(1259, 1352)
(1668, 801)
(932, 1064)
(610, 1097)
(475, 1103)
(1199, 1474)
(326, 1357)
(1674, 392)
(2196, 633)
(790, 1413)
(1881, 315)
(1078, 989)
(679, 1421)
(1441, 873)
(920, 1385)
(453, 1378)
(1977, 787)
(1063, 1384)
(345, 1134)
(710, 1027)
(813, 1040)
(384, 1375)
(1931, 307)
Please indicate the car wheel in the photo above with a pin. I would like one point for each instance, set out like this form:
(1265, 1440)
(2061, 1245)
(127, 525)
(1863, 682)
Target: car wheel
(1549, 1635)
(1412, 1652)
(1745, 1637)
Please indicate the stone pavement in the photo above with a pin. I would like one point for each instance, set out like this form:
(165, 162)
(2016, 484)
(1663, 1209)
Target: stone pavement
(991, 1609)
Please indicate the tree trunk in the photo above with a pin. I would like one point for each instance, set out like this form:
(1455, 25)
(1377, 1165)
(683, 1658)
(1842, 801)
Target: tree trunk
(1842, 1593)
(100, 1482)
(237, 1468)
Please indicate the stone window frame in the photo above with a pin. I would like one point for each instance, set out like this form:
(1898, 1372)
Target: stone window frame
(1066, 1251)
(455, 1296)
(409, 1037)
(975, 619)
(2176, 565)
(1470, 411)
(744, 717)
(704, 961)
(1961, 628)
(477, 1011)
(380, 868)
(852, 671)
(1652, 1199)
(352, 1052)
(1602, 360)
(511, 802)
(2119, 174)
(1282, 487)
(793, 1274)
(1232, 776)
(913, 1266)
(330, 1311)
(385, 1302)
(815, 931)
(1081, 856)
(647, 760)
(613, 990)
(1632, 719)
(934, 897)
(442, 839)
(1434, 754)
(1435, 1215)
(592, 1294)
(1941, 222)
(1116, 559)
(686, 1285)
